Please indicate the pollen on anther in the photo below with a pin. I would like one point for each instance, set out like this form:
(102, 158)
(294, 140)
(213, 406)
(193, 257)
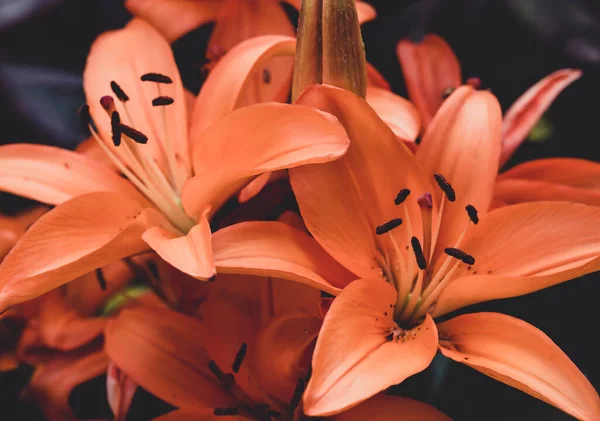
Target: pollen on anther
(460, 255)
(119, 93)
(136, 135)
(401, 197)
(416, 245)
(101, 279)
(266, 76)
(472, 212)
(162, 101)
(156, 77)
(115, 124)
(239, 358)
(445, 186)
(388, 226)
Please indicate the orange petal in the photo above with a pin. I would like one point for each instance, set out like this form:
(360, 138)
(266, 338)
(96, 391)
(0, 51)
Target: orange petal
(119, 390)
(527, 110)
(516, 353)
(91, 149)
(92, 231)
(278, 250)
(524, 248)
(54, 175)
(241, 20)
(398, 113)
(383, 408)
(191, 253)
(568, 179)
(174, 18)
(222, 91)
(10, 232)
(354, 359)
(62, 328)
(123, 56)
(52, 382)
(430, 68)
(292, 297)
(167, 342)
(257, 139)
(344, 224)
(463, 144)
(282, 353)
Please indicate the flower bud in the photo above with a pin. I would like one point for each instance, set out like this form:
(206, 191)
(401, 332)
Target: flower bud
(329, 49)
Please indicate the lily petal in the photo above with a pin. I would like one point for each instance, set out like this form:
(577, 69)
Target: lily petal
(147, 337)
(398, 113)
(191, 254)
(119, 390)
(174, 18)
(523, 248)
(92, 230)
(123, 56)
(278, 250)
(282, 353)
(398, 408)
(430, 68)
(53, 381)
(354, 358)
(463, 144)
(376, 79)
(527, 110)
(62, 328)
(10, 232)
(516, 353)
(205, 414)
(565, 179)
(54, 175)
(257, 139)
(222, 92)
(344, 224)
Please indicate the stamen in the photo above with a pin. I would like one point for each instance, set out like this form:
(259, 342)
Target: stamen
(401, 197)
(445, 186)
(108, 103)
(416, 245)
(425, 202)
(266, 76)
(239, 358)
(101, 279)
(136, 135)
(388, 226)
(460, 255)
(226, 411)
(226, 380)
(119, 93)
(115, 122)
(162, 101)
(472, 212)
(156, 77)
(84, 117)
(475, 82)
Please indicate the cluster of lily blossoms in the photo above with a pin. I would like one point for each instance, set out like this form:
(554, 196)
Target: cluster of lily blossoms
(161, 255)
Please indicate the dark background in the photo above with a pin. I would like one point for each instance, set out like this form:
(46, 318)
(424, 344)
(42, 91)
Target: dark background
(509, 44)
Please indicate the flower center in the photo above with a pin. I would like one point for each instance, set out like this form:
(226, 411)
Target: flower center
(134, 161)
(420, 276)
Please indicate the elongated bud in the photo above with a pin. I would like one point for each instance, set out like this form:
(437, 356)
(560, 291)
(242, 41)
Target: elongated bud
(329, 47)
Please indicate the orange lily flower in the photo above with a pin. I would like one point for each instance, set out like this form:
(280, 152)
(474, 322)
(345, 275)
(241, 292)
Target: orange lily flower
(416, 260)
(267, 364)
(431, 70)
(169, 191)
